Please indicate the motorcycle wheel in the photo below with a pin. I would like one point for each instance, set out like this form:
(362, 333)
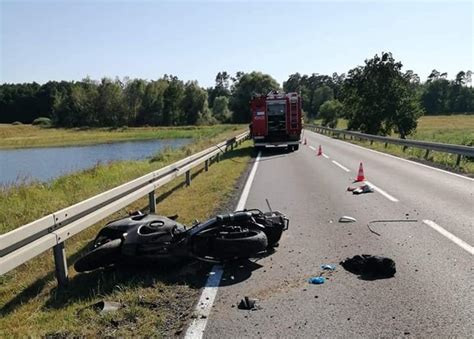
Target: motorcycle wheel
(101, 256)
(240, 245)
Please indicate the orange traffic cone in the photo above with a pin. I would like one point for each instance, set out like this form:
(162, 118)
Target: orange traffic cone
(320, 151)
(360, 175)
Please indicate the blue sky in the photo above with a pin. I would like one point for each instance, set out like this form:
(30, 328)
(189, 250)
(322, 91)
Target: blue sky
(69, 40)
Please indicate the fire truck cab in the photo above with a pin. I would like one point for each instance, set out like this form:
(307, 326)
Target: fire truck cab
(276, 120)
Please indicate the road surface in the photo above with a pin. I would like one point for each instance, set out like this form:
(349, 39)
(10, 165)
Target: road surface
(431, 294)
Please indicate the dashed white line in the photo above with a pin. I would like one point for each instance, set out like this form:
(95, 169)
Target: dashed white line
(339, 165)
(314, 149)
(461, 243)
(208, 295)
(326, 156)
(381, 191)
(402, 159)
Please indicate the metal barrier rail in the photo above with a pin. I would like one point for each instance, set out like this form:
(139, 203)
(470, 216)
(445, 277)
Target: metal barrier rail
(28, 241)
(460, 150)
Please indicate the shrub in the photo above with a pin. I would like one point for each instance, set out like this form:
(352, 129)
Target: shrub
(17, 123)
(42, 121)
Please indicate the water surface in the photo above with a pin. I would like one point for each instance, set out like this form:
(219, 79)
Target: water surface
(46, 163)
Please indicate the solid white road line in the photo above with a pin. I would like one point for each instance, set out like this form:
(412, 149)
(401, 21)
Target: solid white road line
(338, 164)
(326, 156)
(450, 236)
(395, 157)
(381, 191)
(208, 295)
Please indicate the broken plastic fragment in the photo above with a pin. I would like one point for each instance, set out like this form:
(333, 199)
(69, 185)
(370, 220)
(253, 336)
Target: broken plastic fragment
(316, 280)
(328, 267)
(345, 218)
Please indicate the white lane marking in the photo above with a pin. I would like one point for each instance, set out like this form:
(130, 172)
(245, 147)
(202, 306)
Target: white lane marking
(338, 164)
(381, 191)
(326, 156)
(450, 236)
(395, 157)
(208, 295)
(314, 149)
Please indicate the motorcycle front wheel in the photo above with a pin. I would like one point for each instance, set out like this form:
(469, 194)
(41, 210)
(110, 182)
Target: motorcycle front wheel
(239, 244)
(102, 256)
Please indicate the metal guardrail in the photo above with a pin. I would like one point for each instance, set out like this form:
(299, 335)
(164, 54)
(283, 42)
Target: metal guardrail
(460, 150)
(28, 241)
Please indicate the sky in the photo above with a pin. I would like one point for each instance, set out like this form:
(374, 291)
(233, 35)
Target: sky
(70, 40)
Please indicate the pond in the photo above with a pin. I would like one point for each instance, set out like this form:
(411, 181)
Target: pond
(46, 163)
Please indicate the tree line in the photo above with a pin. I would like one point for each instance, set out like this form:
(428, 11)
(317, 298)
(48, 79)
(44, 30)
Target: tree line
(377, 97)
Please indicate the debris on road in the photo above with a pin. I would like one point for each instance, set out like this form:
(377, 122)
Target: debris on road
(370, 267)
(346, 218)
(363, 189)
(316, 280)
(248, 304)
(387, 220)
(328, 267)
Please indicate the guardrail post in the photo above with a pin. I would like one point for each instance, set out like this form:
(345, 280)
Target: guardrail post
(458, 160)
(206, 165)
(371, 142)
(152, 201)
(232, 146)
(218, 157)
(404, 148)
(188, 178)
(386, 144)
(60, 264)
(427, 153)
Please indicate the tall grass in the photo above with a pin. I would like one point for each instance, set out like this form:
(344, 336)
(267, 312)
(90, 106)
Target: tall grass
(157, 301)
(19, 136)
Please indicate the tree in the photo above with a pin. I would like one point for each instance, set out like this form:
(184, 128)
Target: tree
(330, 111)
(221, 89)
(245, 86)
(378, 98)
(221, 109)
(172, 97)
(194, 102)
(134, 93)
(111, 103)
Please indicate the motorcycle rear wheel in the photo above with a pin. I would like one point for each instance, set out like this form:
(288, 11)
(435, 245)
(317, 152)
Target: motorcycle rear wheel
(102, 256)
(239, 245)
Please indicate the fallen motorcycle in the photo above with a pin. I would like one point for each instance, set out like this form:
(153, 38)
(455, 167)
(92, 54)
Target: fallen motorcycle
(150, 237)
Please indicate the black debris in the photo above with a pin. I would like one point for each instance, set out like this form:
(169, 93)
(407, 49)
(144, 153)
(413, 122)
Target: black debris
(370, 267)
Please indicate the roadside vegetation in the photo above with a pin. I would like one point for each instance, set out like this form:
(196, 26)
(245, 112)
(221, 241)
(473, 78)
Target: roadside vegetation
(450, 129)
(157, 301)
(20, 135)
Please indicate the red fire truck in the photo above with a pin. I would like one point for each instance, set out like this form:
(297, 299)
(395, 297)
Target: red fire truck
(276, 120)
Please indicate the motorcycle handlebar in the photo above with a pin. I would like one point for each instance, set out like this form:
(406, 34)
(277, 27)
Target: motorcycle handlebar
(236, 217)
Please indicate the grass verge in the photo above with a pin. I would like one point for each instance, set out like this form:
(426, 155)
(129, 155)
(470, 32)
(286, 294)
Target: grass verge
(20, 136)
(157, 301)
(450, 129)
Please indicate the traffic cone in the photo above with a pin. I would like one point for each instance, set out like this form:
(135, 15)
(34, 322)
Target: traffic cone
(360, 175)
(320, 151)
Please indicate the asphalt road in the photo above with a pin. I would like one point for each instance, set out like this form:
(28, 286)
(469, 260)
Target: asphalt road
(432, 292)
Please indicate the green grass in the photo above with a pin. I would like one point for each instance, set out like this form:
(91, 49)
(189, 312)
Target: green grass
(450, 129)
(20, 136)
(158, 301)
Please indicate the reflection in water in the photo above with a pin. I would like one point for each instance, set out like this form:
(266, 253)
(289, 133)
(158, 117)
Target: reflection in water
(50, 162)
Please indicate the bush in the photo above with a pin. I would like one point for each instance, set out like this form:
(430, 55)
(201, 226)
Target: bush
(17, 123)
(329, 112)
(42, 121)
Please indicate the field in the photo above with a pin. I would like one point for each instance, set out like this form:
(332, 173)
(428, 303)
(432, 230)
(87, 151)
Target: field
(450, 129)
(18, 136)
(157, 302)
